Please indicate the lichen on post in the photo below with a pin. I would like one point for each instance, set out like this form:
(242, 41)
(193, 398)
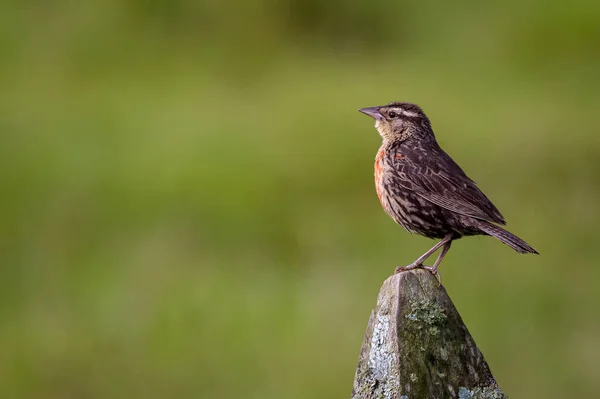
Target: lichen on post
(417, 346)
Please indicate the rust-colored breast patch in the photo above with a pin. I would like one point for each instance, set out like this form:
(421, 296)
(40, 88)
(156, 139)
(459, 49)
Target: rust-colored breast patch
(379, 174)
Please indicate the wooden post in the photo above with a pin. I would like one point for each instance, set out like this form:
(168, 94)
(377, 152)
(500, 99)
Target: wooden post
(417, 346)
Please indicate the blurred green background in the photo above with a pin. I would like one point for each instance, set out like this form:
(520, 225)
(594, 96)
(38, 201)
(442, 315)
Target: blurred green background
(187, 203)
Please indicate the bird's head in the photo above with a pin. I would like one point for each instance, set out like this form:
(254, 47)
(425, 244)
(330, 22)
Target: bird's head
(399, 121)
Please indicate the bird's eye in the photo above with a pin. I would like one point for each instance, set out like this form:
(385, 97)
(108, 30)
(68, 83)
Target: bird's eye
(392, 114)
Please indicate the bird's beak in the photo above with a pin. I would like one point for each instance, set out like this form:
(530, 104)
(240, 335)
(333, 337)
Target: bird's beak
(373, 112)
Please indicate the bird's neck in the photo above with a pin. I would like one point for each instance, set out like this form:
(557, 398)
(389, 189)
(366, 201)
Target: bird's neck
(410, 145)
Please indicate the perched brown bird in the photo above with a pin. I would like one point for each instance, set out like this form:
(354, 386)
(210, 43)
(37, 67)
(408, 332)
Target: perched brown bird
(424, 190)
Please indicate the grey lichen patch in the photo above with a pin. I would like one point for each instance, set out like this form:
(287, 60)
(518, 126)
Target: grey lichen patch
(443, 353)
(481, 393)
(380, 379)
(381, 354)
(427, 313)
(434, 330)
(451, 390)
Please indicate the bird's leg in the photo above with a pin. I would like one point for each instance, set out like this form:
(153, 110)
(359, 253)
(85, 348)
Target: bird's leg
(434, 269)
(419, 262)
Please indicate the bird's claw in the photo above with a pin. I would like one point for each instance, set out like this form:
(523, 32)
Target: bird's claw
(431, 269)
(412, 266)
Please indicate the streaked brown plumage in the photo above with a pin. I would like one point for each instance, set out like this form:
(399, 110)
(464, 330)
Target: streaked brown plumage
(424, 190)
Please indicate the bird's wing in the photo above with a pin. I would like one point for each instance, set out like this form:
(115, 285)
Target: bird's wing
(438, 179)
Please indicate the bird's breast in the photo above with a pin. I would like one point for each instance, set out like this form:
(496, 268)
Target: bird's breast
(379, 165)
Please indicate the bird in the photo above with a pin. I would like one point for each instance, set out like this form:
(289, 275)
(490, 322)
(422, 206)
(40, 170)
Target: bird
(421, 187)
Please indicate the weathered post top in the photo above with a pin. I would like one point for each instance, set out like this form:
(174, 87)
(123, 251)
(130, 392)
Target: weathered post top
(416, 346)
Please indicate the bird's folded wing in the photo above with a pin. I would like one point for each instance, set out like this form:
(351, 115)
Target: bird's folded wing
(445, 184)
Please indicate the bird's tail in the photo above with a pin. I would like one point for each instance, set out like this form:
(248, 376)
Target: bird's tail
(506, 237)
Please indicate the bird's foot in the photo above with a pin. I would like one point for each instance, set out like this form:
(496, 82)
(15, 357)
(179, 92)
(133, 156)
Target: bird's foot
(433, 270)
(412, 266)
